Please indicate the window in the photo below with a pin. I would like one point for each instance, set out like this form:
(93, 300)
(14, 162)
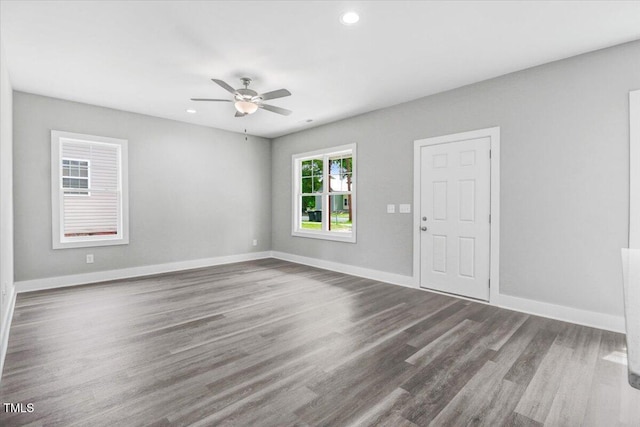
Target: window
(88, 190)
(75, 176)
(324, 194)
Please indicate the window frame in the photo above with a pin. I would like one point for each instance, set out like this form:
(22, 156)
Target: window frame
(296, 166)
(59, 241)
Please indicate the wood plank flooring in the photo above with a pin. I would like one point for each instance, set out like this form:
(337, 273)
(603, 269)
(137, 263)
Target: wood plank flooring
(271, 343)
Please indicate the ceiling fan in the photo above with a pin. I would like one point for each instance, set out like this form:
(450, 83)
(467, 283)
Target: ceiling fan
(248, 101)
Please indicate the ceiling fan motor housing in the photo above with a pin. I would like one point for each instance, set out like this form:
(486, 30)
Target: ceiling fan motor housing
(245, 94)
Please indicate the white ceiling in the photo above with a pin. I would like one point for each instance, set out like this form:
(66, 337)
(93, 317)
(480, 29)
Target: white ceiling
(151, 57)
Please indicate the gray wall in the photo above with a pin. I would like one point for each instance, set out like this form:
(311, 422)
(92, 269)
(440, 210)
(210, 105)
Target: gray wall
(6, 192)
(564, 185)
(194, 192)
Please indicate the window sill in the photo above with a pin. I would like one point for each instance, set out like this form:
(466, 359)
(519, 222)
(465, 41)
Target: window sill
(89, 243)
(336, 237)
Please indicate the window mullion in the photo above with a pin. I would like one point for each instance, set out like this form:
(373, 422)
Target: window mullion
(325, 193)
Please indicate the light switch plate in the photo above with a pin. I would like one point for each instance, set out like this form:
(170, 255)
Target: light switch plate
(391, 208)
(405, 208)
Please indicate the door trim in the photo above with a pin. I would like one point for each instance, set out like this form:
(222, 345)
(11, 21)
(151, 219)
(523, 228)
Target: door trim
(634, 169)
(494, 135)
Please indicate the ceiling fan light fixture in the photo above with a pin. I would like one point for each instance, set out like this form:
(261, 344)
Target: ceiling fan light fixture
(246, 107)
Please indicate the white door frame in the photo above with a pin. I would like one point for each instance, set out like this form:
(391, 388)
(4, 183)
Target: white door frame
(634, 169)
(494, 135)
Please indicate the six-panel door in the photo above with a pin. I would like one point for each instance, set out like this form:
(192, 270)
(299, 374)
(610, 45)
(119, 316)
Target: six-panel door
(455, 217)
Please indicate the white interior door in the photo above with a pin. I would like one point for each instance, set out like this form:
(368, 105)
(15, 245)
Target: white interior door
(455, 199)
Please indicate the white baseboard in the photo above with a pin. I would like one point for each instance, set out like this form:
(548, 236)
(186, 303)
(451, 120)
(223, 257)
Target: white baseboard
(6, 326)
(382, 276)
(126, 273)
(559, 312)
(593, 319)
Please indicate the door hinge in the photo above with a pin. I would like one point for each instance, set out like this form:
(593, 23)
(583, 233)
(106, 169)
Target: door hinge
(489, 153)
(489, 218)
(489, 282)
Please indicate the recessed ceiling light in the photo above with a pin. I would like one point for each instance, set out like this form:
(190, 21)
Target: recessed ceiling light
(349, 18)
(191, 111)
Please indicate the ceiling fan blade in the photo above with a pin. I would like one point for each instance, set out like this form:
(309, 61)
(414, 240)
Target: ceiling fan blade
(239, 114)
(280, 93)
(208, 99)
(274, 109)
(225, 86)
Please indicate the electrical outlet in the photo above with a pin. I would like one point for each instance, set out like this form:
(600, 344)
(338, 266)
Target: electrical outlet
(89, 258)
(391, 208)
(255, 242)
(405, 208)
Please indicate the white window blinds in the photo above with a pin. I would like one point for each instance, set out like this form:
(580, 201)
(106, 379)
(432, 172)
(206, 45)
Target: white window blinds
(94, 212)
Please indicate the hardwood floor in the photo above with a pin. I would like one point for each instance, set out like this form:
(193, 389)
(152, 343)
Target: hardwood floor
(271, 343)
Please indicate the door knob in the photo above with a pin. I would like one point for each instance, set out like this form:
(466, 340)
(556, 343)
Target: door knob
(423, 228)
